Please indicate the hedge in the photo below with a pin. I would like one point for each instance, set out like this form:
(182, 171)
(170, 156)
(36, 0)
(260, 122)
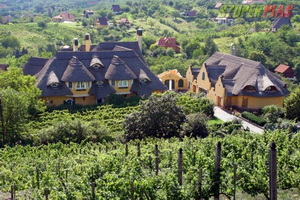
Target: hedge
(253, 118)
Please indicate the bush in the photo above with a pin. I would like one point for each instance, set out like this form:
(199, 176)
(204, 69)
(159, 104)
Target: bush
(253, 118)
(195, 126)
(159, 117)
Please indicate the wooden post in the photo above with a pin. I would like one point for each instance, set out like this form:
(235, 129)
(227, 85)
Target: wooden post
(217, 178)
(138, 149)
(234, 180)
(273, 171)
(38, 178)
(132, 190)
(115, 148)
(180, 161)
(12, 192)
(199, 185)
(46, 193)
(126, 150)
(67, 175)
(156, 159)
(93, 185)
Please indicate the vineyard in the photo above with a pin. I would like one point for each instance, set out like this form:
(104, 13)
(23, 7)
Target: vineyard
(118, 171)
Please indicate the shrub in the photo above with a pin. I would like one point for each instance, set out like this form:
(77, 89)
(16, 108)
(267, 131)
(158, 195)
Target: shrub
(195, 126)
(253, 118)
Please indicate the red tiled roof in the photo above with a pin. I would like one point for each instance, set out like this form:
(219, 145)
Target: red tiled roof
(167, 42)
(281, 68)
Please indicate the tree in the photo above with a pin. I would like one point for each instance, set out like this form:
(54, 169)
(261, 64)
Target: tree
(292, 105)
(19, 100)
(159, 117)
(258, 56)
(175, 14)
(272, 113)
(210, 46)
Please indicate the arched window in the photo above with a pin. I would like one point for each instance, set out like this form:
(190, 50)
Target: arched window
(203, 76)
(249, 88)
(271, 88)
(180, 83)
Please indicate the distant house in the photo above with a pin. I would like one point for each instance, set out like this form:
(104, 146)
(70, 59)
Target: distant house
(116, 8)
(102, 22)
(88, 77)
(6, 19)
(173, 80)
(281, 21)
(191, 13)
(3, 67)
(223, 20)
(285, 70)
(169, 42)
(63, 17)
(231, 81)
(218, 5)
(88, 13)
(123, 21)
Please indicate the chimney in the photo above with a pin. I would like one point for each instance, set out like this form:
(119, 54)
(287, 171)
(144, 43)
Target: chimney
(233, 49)
(87, 42)
(75, 44)
(139, 34)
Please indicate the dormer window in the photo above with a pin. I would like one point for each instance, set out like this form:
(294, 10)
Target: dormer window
(80, 86)
(97, 66)
(70, 85)
(250, 88)
(143, 80)
(54, 85)
(123, 84)
(100, 83)
(271, 88)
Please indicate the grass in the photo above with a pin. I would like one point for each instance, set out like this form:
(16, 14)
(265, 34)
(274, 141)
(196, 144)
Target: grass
(214, 120)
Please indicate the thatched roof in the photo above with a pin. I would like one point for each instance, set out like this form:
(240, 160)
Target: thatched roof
(237, 73)
(118, 70)
(77, 72)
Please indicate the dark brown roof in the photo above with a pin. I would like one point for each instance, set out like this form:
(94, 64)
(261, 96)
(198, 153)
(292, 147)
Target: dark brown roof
(118, 70)
(116, 8)
(77, 72)
(103, 21)
(281, 21)
(3, 67)
(241, 72)
(34, 65)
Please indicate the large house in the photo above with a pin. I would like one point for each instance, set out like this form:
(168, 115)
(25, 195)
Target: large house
(231, 81)
(90, 76)
(64, 16)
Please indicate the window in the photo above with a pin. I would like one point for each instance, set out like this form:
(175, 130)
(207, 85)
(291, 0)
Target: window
(271, 89)
(90, 84)
(100, 83)
(203, 76)
(250, 88)
(54, 85)
(70, 85)
(112, 83)
(123, 84)
(80, 86)
(180, 83)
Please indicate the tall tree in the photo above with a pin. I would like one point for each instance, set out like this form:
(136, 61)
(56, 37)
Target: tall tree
(210, 46)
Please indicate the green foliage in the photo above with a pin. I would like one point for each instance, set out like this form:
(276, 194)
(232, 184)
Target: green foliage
(195, 126)
(192, 103)
(292, 104)
(272, 113)
(159, 117)
(253, 118)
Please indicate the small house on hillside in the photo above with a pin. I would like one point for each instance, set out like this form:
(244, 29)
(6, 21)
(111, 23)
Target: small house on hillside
(123, 22)
(102, 22)
(285, 71)
(169, 42)
(250, 2)
(116, 9)
(223, 20)
(281, 21)
(64, 16)
(173, 80)
(218, 5)
(3, 67)
(191, 13)
(232, 81)
(88, 13)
